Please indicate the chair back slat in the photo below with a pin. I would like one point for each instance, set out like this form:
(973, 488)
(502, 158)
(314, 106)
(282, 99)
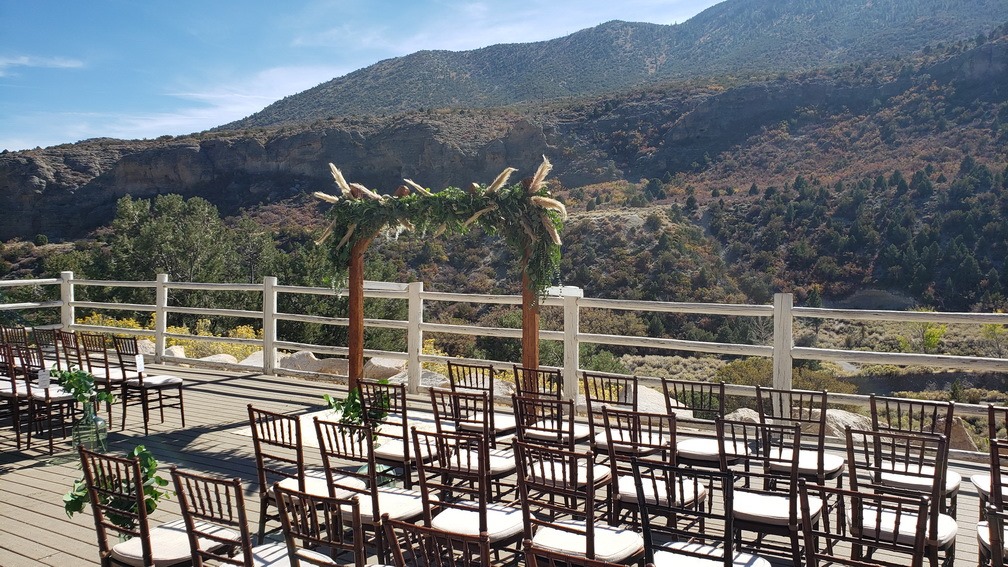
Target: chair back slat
(544, 420)
(279, 447)
(665, 490)
(915, 416)
(876, 527)
(704, 400)
(71, 349)
(48, 343)
(530, 382)
(323, 524)
(115, 489)
(413, 545)
(463, 376)
(214, 513)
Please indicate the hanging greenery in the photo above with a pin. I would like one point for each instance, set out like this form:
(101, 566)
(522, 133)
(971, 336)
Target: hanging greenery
(523, 214)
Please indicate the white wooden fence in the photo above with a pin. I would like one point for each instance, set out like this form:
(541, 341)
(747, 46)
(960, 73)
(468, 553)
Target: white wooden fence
(783, 352)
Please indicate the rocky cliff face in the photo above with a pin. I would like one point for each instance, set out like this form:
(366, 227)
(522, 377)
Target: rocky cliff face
(67, 190)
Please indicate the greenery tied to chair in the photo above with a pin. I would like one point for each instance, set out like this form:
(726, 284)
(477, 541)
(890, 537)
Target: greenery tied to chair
(351, 409)
(76, 499)
(81, 385)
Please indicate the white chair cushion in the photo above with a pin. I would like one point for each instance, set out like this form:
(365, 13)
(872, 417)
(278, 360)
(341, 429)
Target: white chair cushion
(706, 448)
(947, 527)
(982, 482)
(547, 431)
(503, 422)
(56, 393)
(398, 503)
(503, 522)
(919, 479)
(685, 494)
(611, 544)
(808, 463)
(317, 484)
(271, 555)
(394, 449)
(771, 509)
(501, 461)
(681, 553)
(169, 545)
(600, 473)
(161, 381)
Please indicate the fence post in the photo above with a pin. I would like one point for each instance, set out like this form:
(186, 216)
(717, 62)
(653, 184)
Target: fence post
(572, 350)
(160, 316)
(269, 307)
(783, 340)
(67, 316)
(414, 337)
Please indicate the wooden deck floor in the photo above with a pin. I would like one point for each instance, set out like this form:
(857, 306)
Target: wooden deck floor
(34, 530)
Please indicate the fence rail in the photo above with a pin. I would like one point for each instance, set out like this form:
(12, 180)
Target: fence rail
(782, 351)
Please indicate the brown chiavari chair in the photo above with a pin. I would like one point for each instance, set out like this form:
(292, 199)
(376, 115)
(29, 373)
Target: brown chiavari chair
(351, 471)
(279, 450)
(47, 401)
(414, 545)
(463, 412)
(125, 538)
(319, 528)
(464, 377)
(14, 390)
(138, 387)
(601, 391)
(71, 349)
(47, 341)
(95, 352)
(904, 533)
(456, 489)
(678, 529)
(696, 405)
(384, 405)
(547, 382)
(765, 500)
(547, 421)
(557, 489)
(213, 510)
(895, 462)
(920, 416)
(991, 529)
(629, 434)
(997, 421)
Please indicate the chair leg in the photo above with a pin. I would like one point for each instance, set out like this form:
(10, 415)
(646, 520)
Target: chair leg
(146, 408)
(181, 405)
(263, 509)
(160, 399)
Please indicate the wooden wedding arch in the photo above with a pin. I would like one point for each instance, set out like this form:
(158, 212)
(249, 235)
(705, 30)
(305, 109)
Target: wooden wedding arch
(524, 214)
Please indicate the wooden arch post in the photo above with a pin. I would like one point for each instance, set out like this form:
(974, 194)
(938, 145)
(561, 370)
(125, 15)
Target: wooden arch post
(530, 319)
(355, 288)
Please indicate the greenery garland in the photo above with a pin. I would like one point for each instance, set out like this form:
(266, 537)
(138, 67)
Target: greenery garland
(523, 214)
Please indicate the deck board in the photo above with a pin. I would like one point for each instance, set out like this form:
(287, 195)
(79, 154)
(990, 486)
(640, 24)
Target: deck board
(34, 529)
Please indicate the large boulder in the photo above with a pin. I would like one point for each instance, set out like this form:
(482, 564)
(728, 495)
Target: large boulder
(220, 359)
(743, 414)
(255, 359)
(146, 347)
(378, 368)
(337, 366)
(428, 379)
(960, 439)
(177, 351)
(837, 422)
(301, 360)
(306, 361)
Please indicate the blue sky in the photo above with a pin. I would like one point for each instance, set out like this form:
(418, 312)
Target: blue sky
(77, 69)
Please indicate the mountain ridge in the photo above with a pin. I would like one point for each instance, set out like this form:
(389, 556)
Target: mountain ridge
(746, 39)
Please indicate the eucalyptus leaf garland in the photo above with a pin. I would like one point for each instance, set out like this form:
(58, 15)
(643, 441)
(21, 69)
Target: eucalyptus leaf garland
(523, 214)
